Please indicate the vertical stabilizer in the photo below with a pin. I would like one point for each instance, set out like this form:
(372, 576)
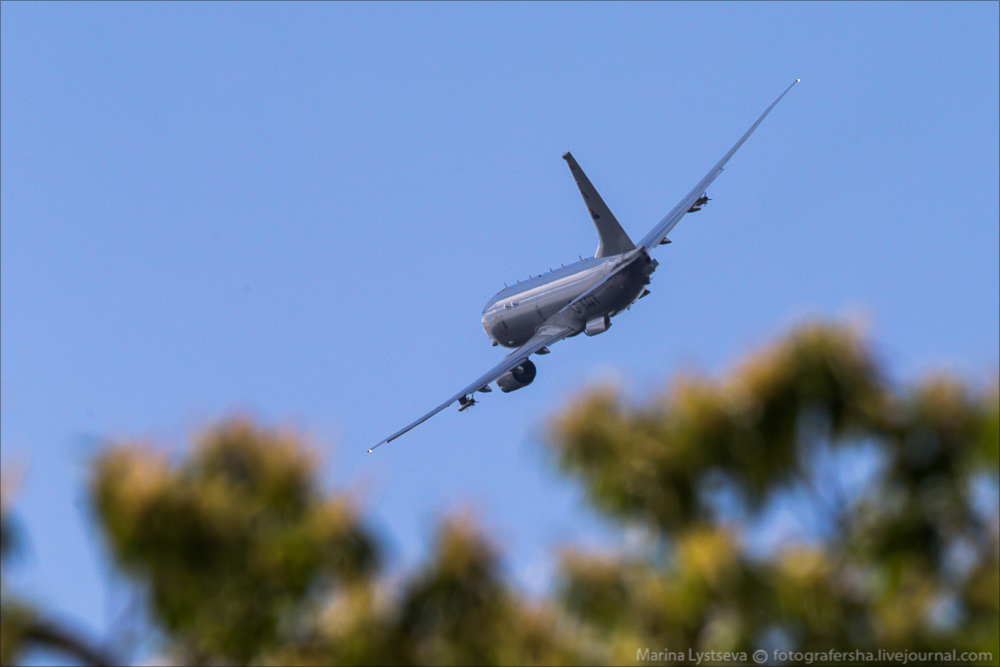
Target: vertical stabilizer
(613, 239)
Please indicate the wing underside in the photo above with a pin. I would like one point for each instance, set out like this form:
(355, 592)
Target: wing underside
(660, 231)
(544, 336)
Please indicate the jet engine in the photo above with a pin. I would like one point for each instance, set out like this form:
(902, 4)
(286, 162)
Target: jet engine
(702, 200)
(598, 325)
(520, 376)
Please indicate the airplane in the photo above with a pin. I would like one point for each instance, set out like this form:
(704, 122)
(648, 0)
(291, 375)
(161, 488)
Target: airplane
(579, 298)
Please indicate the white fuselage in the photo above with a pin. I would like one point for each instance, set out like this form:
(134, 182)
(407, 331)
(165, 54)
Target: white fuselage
(511, 317)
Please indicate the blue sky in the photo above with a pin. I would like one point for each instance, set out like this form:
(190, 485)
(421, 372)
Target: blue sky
(297, 211)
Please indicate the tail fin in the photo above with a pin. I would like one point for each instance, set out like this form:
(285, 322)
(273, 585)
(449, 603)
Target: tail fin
(613, 239)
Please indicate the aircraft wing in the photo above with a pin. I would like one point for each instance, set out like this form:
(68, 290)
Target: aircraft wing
(660, 231)
(563, 324)
(546, 335)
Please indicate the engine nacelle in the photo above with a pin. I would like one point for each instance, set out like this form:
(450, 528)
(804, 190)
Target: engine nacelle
(520, 376)
(598, 325)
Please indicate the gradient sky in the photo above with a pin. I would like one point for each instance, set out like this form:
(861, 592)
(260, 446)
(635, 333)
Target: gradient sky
(297, 212)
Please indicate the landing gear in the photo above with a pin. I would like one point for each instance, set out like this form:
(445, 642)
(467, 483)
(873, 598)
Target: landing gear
(466, 402)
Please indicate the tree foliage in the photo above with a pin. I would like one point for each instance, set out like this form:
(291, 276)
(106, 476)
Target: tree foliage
(908, 564)
(22, 627)
(243, 559)
(233, 541)
(246, 561)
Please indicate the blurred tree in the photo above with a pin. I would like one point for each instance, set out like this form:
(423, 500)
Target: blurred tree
(22, 628)
(247, 562)
(244, 559)
(236, 545)
(910, 562)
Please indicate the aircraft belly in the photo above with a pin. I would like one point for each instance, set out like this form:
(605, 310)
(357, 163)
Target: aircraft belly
(628, 290)
(614, 297)
(498, 332)
(521, 324)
